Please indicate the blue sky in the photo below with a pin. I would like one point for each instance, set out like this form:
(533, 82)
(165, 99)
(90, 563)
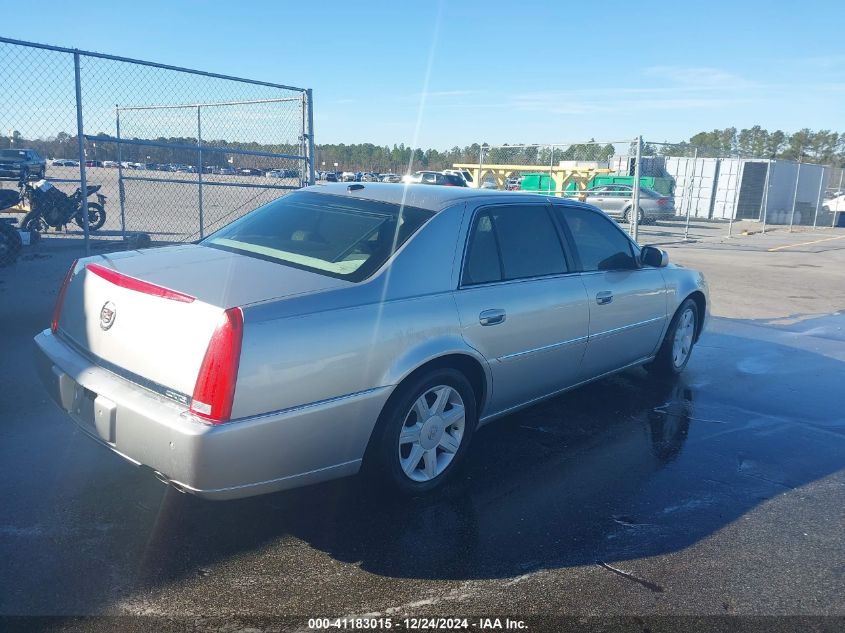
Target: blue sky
(461, 72)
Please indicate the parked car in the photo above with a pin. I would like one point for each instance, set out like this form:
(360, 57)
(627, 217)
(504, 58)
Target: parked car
(65, 162)
(250, 171)
(390, 178)
(347, 176)
(327, 351)
(330, 176)
(835, 204)
(93, 163)
(275, 173)
(615, 200)
(23, 164)
(463, 173)
(435, 178)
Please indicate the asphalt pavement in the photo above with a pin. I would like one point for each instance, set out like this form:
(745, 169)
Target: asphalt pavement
(721, 493)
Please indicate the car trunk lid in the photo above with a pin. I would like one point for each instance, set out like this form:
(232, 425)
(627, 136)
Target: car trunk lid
(149, 315)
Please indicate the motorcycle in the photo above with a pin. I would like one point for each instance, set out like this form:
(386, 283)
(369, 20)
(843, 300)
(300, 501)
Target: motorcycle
(50, 207)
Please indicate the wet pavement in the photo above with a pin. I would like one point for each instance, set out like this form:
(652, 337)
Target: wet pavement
(722, 492)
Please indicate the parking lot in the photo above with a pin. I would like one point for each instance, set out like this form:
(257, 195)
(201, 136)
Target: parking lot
(167, 207)
(721, 493)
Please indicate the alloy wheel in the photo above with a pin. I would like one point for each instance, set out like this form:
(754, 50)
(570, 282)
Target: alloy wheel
(431, 433)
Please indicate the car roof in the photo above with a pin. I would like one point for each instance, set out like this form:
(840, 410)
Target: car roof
(431, 197)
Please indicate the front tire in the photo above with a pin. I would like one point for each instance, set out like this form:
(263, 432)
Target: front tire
(34, 222)
(676, 349)
(423, 432)
(96, 217)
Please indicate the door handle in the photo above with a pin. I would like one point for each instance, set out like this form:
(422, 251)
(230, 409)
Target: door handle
(604, 297)
(491, 317)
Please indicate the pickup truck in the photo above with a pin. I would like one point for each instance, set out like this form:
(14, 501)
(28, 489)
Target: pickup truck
(22, 163)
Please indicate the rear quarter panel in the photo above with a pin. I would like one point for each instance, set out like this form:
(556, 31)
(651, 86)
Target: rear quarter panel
(340, 342)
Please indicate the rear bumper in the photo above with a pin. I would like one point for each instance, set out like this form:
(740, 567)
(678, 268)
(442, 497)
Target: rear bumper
(243, 458)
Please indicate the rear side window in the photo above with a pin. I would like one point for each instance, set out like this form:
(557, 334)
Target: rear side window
(600, 243)
(337, 236)
(512, 242)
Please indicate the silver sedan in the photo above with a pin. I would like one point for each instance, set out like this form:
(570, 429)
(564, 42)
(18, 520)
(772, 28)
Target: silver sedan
(348, 327)
(616, 201)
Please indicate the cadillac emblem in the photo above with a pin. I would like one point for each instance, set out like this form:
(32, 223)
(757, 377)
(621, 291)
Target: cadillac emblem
(107, 315)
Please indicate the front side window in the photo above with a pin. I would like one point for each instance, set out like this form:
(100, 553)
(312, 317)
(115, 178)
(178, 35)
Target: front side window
(600, 243)
(337, 236)
(513, 242)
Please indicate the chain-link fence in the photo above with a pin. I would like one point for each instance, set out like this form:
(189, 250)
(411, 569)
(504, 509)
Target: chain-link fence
(682, 192)
(588, 171)
(719, 195)
(171, 152)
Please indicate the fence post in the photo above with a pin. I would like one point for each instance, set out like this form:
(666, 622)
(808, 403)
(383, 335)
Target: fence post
(199, 171)
(764, 201)
(634, 215)
(311, 152)
(819, 198)
(551, 168)
(735, 201)
(83, 182)
(795, 196)
(691, 189)
(480, 164)
(121, 196)
(833, 215)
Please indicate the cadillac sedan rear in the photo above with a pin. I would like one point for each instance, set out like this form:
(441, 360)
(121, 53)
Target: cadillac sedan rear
(162, 355)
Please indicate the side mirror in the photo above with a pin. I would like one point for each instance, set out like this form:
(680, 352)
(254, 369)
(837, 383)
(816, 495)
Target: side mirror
(654, 257)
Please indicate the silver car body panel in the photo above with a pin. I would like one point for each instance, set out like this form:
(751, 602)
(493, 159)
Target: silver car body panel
(321, 356)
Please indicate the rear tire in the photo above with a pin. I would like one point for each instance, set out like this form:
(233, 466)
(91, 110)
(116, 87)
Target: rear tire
(627, 213)
(96, 217)
(676, 349)
(423, 433)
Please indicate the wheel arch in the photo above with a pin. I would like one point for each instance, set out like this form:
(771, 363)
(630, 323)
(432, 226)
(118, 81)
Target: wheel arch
(465, 360)
(470, 365)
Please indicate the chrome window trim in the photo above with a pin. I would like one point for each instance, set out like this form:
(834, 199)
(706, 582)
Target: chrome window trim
(636, 248)
(564, 245)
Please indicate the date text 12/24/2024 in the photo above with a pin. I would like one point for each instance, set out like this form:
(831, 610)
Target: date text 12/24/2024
(417, 624)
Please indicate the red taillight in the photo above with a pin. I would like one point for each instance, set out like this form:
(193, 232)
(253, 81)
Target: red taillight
(57, 309)
(215, 387)
(131, 283)
(662, 202)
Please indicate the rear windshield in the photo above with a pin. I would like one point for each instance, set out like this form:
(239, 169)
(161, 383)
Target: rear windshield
(337, 236)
